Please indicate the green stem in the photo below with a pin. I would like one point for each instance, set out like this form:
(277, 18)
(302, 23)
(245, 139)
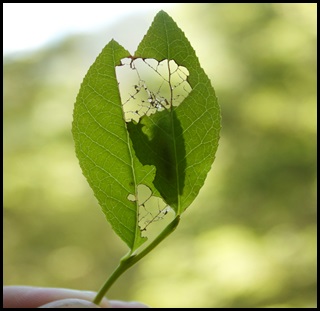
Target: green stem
(129, 260)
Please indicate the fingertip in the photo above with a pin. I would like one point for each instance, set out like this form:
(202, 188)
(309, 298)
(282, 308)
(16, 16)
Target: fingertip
(34, 297)
(70, 303)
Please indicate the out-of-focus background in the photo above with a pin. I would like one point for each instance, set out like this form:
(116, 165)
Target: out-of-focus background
(249, 239)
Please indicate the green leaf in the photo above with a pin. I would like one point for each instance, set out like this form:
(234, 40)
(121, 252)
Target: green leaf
(181, 142)
(104, 149)
(152, 138)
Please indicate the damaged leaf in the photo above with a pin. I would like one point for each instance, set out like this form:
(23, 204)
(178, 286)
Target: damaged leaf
(146, 143)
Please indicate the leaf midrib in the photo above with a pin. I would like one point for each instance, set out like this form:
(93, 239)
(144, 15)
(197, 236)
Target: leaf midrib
(179, 209)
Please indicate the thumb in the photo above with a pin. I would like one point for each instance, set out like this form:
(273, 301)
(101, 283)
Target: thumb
(70, 303)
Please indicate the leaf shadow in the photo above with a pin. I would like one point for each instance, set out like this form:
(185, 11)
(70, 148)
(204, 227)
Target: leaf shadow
(158, 140)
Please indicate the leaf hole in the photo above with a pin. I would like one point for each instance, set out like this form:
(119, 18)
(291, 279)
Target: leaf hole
(152, 211)
(147, 86)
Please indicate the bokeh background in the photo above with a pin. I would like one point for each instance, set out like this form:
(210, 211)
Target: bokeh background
(249, 239)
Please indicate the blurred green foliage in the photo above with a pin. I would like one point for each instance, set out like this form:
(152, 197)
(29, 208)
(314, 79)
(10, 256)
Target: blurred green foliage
(249, 239)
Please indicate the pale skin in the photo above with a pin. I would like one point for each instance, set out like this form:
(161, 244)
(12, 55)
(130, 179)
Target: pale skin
(45, 297)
